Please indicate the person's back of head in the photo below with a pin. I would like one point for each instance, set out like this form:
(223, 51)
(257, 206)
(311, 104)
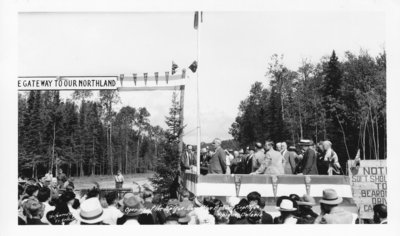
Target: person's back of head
(44, 194)
(222, 215)
(67, 196)
(111, 197)
(146, 218)
(33, 208)
(380, 212)
(94, 192)
(242, 208)
(31, 190)
(185, 194)
(254, 198)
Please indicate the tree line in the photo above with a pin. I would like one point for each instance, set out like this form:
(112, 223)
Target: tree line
(341, 101)
(82, 136)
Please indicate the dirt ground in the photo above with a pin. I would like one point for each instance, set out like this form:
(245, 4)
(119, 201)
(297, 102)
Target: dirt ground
(107, 181)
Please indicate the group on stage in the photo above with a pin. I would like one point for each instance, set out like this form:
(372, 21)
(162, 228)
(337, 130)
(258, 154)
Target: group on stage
(268, 158)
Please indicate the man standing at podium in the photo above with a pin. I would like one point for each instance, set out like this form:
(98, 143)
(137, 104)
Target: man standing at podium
(218, 160)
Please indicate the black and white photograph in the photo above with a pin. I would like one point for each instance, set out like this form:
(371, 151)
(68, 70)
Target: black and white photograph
(202, 117)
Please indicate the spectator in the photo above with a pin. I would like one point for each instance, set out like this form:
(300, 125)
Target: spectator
(255, 215)
(222, 216)
(278, 147)
(119, 180)
(44, 198)
(287, 208)
(91, 212)
(290, 157)
(330, 211)
(218, 160)
(112, 213)
(259, 157)
(146, 218)
(380, 214)
(183, 218)
(34, 212)
(274, 161)
(228, 159)
(308, 163)
(185, 203)
(61, 214)
(332, 158)
(132, 206)
(306, 215)
(32, 190)
(61, 178)
(240, 212)
(322, 164)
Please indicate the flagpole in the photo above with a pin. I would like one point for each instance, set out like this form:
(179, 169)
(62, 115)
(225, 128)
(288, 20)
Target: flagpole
(198, 95)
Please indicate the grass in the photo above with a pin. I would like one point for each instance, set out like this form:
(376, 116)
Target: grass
(107, 181)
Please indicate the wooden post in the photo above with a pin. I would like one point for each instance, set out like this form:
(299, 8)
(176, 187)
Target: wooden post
(181, 103)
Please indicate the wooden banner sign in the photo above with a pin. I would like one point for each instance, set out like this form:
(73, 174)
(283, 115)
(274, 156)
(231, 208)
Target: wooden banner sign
(368, 181)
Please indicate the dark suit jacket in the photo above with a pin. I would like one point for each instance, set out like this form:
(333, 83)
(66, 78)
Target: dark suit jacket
(218, 162)
(309, 163)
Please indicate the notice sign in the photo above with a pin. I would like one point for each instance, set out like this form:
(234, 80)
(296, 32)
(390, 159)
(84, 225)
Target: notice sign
(67, 83)
(368, 180)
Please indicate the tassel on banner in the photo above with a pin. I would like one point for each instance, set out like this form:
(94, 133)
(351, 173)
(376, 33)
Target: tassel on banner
(156, 77)
(134, 78)
(183, 73)
(238, 182)
(121, 78)
(166, 76)
(145, 78)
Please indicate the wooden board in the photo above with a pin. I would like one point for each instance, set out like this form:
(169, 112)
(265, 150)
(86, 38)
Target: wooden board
(369, 185)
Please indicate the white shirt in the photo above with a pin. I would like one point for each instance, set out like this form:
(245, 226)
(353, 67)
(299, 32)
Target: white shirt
(111, 214)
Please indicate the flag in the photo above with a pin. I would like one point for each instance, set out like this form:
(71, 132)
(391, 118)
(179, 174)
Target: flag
(198, 18)
(174, 67)
(193, 66)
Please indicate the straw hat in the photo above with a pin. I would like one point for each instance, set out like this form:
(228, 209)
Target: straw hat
(286, 205)
(91, 211)
(306, 200)
(330, 197)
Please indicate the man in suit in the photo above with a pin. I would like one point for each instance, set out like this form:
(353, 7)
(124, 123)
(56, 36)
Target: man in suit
(308, 164)
(218, 160)
(290, 159)
(187, 159)
(259, 157)
(331, 213)
(274, 162)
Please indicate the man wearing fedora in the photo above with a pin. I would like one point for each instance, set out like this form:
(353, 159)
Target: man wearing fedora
(305, 214)
(132, 206)
(331, 213)
(91, 212)
(308, 164)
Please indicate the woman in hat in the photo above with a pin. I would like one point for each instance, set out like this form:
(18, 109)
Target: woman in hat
(288, 209)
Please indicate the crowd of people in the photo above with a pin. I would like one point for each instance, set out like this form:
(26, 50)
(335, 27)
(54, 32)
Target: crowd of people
(45, 202)
(269, 158)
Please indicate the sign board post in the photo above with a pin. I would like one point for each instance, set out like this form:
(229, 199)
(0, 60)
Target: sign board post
(368, 181)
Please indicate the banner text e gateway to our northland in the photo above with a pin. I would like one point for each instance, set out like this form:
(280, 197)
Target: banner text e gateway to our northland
(75, 83)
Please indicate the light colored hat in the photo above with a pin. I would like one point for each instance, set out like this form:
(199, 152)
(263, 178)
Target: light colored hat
(91, 211)
(148, 187)
(132, 204)
(286, 205)
(306, 200)
(305, 142)
(330, 197)
(232, 201)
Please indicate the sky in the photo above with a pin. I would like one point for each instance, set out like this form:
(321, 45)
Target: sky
(234, 51)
